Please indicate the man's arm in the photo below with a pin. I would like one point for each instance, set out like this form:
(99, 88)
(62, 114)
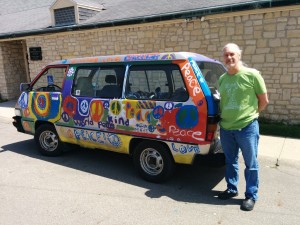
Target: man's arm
(262, 101)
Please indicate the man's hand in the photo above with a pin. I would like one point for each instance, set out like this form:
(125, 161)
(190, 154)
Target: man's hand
(262, 101)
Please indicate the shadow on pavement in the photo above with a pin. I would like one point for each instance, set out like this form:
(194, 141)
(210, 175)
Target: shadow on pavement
(193, 184)
(8, 104)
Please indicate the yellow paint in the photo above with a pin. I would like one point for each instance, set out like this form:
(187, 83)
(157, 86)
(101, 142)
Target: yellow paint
(66, 134)
(184, 159)
(32, 100)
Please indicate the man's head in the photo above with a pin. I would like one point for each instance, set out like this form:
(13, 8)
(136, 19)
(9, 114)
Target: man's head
(232, 55)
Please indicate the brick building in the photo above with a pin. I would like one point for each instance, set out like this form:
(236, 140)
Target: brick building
(33, 34)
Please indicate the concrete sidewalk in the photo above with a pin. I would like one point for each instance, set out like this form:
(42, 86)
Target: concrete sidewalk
(280, 149)
(7, 110)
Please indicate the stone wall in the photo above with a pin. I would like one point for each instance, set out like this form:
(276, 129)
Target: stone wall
(3, 87)
(269, 39)
(12, 69)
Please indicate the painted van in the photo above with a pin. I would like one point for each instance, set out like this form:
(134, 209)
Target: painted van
(157, 107)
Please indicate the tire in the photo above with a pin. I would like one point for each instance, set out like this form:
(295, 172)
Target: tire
(153, 161)
(48, 141)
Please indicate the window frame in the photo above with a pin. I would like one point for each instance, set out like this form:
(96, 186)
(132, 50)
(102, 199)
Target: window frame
(168, 69)
(60, 15)
(120, 75)
(42, 73)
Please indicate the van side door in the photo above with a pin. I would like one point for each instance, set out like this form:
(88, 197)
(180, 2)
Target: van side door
(42, 101)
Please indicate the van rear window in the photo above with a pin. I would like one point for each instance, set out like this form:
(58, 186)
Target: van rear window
(212, 72)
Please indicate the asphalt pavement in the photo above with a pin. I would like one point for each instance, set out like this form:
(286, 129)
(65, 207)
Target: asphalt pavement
(100, 187)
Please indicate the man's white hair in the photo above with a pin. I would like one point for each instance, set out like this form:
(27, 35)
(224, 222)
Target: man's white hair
(233, 47)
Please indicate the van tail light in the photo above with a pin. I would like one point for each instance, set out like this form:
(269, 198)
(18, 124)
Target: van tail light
(212, 126)
(210, 132)
(210, 136)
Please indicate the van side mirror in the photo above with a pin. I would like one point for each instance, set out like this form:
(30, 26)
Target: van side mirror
(24, 86)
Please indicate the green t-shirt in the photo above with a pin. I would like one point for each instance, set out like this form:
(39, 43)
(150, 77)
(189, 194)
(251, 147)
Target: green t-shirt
(239, 103)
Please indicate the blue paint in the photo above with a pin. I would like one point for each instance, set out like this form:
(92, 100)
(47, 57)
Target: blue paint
(50, 79)
(158, 112)
(84, 107)
(65, 117)
(184, 149)
(212, 107)
(23, 100)
(187, 117)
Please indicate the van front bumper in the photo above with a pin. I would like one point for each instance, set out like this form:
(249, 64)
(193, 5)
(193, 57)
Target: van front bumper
(18, 124)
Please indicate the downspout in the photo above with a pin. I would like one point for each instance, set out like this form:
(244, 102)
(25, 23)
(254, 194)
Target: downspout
(25, 56)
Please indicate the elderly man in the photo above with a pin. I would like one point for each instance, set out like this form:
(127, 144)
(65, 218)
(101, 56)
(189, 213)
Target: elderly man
(243, 97)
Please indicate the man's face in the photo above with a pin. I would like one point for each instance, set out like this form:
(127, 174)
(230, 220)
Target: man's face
(231, 57)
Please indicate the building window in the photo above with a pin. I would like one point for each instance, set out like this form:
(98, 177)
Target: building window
(64, 16)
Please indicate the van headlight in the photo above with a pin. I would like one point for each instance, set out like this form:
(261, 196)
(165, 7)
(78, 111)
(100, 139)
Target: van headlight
(18, 112)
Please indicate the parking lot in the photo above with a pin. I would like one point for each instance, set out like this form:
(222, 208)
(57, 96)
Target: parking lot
(98, 187)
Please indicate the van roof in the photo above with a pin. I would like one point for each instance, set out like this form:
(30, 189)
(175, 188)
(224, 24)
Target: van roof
(136, 57)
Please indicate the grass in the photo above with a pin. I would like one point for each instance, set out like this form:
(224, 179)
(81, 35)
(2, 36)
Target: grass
(279, 129)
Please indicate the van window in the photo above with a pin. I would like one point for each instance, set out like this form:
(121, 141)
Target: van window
(51, 80)
(156, 82)
(211, 72)
(101, 82)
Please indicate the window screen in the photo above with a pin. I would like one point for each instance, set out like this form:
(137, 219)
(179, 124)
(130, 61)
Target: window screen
(64, 16)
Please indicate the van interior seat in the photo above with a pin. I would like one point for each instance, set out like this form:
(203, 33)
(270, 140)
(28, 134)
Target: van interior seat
(85, 85)
(111, 90)
(208, 76)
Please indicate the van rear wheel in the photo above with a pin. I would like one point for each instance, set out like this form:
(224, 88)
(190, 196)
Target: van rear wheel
(47, 140)
(153, 161)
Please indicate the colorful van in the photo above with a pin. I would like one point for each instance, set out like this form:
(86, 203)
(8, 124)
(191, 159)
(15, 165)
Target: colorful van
(157, 107)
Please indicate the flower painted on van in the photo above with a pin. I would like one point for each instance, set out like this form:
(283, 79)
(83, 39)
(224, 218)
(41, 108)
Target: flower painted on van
(42, 104)
(71, 72)
(70, 105)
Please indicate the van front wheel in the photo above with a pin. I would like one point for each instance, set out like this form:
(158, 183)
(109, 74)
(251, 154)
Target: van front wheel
(153, 161)
(47, 140)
